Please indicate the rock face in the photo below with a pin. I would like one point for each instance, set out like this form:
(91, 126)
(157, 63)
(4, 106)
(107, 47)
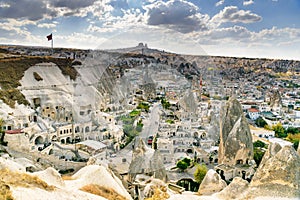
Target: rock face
(214, 127)
(235, 190)
(51, 177)
(275, 100)
(147, 161)
(211, 183)
(298, 151)
(278, 174)
(235, 136)
(188, 102)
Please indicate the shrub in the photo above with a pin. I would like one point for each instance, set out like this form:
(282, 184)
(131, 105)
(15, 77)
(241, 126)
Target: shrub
(260, 122)
(279, 131)
(258, 155)
(259, 143)
(187, 160)
(200, 173)
(182, 165)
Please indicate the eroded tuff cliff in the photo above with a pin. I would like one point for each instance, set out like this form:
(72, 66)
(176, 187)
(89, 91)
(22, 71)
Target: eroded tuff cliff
(278, 174)
(235, 136)
(211, 183)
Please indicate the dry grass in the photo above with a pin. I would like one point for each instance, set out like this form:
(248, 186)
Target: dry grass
(23, 180)
(67, 178)
(160, 193)
(105, 192)
(5, 192)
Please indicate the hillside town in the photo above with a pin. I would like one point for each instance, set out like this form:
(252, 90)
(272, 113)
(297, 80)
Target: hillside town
(146, 115)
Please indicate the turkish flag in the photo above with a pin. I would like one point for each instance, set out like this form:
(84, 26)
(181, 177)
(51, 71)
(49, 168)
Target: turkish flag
(49, 37)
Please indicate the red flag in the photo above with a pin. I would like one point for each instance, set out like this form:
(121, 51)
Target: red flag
(49, 37)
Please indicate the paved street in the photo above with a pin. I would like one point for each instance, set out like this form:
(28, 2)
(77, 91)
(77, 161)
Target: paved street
(150, 128)
(151, 124)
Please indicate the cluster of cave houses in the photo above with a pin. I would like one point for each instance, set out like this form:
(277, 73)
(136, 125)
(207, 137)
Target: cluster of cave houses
(25, 129)
(51, 130)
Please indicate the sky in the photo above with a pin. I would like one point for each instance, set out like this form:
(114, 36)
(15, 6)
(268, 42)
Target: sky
(241, 28)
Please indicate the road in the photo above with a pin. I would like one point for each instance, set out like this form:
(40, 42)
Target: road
(151, 124)
(150, 128)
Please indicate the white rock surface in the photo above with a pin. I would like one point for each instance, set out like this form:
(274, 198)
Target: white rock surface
(211, 183)
(95, 174)
(20, 193)
(8, 163)
(51, 177)
(235, 190)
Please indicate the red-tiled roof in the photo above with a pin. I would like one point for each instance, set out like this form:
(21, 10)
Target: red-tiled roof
(16, 131)
(253, 110)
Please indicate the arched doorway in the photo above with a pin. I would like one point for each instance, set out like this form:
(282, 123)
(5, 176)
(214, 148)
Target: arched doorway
(39, 140)
(189, 184)
(68, 140)
(62, 141)
(196, 135)
(54, 138)
(189, 151)
(203, 135)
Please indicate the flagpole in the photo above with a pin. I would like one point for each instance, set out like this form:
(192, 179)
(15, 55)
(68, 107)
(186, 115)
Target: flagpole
(52, 44)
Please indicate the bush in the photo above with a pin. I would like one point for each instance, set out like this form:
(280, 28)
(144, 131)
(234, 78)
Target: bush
(182, 165)
(258, 155)
(294, 138)
(170, 121)
(200, 173)
(279, 131)
(187, 161)
(143, 106)
(134, 113)
(165, 104)
(259, 143)
(260, 122)
(292, 130)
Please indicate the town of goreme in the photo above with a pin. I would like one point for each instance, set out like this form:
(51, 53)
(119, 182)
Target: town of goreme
(141, 123)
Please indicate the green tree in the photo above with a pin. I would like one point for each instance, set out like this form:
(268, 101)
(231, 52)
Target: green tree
(279, 131)
(292, 130)
(182, 165)
(258, 155)
(187, 160)
(259, 143)
(260, 122)
(200, 173)
(165, 104)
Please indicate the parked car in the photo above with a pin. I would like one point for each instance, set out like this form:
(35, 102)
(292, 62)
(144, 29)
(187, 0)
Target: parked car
(150, 139)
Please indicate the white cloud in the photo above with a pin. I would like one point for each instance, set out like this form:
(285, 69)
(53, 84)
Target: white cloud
(219, 3)
(46, 25)
(233, 14)
(247, 3)
(236, 33)
(179, 15)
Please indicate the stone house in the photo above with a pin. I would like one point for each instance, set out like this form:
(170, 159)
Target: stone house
(166, 149)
